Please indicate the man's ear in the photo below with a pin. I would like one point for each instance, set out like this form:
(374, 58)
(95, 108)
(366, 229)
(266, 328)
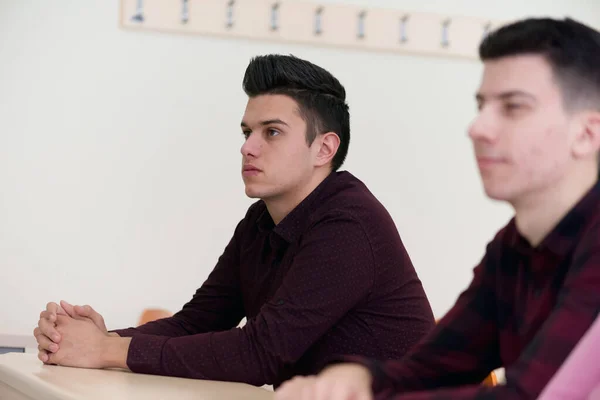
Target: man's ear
(328, 146)
(587, 142)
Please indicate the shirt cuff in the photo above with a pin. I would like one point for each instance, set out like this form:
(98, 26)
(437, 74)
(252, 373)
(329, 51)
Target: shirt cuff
(145, 354)
(129, 332)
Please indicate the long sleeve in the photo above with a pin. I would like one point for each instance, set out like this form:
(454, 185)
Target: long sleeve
(331, 273)
(216, 305)
(452, 347)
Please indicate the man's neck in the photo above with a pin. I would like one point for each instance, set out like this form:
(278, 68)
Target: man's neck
(279, 207)
(539, 214)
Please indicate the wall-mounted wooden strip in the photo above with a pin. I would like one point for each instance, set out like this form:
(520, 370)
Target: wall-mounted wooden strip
(339, 25)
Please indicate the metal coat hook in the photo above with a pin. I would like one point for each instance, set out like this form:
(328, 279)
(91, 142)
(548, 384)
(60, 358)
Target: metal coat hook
(139, 12)
(229, 14)
(361, 24)
(319, 21)
(445, 34)
(403, 24)
(185, 11)
(275, 16)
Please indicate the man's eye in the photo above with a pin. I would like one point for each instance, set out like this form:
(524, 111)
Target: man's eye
(513, 106)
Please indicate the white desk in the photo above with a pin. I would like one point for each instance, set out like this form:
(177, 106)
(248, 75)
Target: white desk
(24, 377)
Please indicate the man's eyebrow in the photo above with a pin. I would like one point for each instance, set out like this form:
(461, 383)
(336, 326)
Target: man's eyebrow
(480, 97)
(274, 121)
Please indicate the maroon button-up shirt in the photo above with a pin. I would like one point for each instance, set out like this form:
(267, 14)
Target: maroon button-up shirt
(525, 310)
(332, 278)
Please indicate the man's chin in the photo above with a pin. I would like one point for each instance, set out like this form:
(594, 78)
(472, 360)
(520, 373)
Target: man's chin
(253, 194)
(495, 194)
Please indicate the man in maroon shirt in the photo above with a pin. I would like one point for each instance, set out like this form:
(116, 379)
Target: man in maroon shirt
(316, 266)
(537, 289)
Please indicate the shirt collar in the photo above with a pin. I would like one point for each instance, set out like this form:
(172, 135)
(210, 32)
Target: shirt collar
(563, 238)
(296, 222)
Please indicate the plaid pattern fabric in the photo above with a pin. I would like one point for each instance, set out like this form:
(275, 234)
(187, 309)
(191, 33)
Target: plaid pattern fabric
(525, 310)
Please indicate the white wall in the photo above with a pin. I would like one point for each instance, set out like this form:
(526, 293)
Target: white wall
(119, 162)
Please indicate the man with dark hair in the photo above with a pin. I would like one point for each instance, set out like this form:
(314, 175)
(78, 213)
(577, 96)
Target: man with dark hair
(537, 290)
(316, 266)
(319, 95)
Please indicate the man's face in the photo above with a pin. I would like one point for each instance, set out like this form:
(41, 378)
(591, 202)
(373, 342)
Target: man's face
(276, 159)
(522, 135)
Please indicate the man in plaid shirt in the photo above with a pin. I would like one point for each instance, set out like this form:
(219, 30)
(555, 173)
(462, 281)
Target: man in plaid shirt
(537, 290)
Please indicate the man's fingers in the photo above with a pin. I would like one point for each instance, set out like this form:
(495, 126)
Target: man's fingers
(89, 312)
(51, 311)
(46, 344)
(43, 356)
(85, 311)
(52, 307)
(48, 329)
(69, 309)
(52, 359)
(49, 315)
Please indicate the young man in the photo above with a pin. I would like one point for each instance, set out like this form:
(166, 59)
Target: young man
(316, 266)
(537, 289)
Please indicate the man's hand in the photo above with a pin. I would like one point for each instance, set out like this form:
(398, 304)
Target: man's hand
(340, 382)
(83, 344)
(46, 335)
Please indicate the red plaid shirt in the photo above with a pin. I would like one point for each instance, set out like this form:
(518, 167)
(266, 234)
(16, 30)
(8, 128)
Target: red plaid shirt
(525, 310)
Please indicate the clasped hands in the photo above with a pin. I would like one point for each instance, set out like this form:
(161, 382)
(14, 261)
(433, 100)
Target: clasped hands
(76, 336)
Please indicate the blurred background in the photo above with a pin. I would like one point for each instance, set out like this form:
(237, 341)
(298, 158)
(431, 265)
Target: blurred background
(120, 166)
